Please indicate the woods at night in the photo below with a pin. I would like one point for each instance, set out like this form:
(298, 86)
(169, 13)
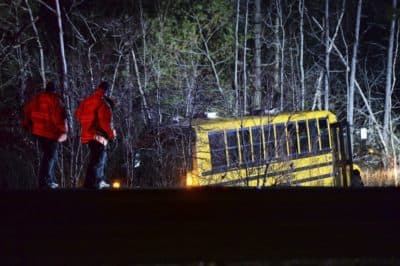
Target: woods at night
(175, 59)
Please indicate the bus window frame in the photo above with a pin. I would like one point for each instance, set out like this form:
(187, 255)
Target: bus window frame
(314, 144)
(260, 157)
(281, 152)
(292, 140)
(225, 165)
(245, 147)
(324, 134)
(232, 164)
(268, 139)
(307, 138)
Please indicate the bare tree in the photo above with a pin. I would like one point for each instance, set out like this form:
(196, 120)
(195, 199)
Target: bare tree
(327, 58)
(276, 63)
(350, 98)
(236, 70)
(40, 46)
(245, 58)
(257, 55)
(146, 109)
(389, 75)
(209, 56)
(393, 138)
(302, 87)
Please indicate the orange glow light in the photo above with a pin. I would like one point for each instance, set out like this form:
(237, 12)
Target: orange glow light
(189, 179)
(116, 184)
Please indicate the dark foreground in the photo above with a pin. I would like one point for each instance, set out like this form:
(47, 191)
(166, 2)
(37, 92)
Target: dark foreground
(78, 227)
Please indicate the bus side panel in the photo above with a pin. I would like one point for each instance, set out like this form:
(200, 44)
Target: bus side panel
(315, 171)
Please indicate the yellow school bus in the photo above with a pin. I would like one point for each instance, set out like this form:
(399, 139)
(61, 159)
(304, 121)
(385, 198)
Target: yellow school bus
(287, 149)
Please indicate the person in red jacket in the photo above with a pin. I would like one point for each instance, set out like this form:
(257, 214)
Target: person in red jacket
(95, 116)
(45, 118)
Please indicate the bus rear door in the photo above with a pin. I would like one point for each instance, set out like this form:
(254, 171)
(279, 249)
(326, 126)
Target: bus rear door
(342, 155)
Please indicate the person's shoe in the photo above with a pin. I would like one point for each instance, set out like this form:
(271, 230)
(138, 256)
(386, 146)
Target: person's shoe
(52, 185)
(102, 185)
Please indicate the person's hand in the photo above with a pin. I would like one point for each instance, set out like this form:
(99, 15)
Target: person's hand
(101, 139)
(62, 138)
(115, 133)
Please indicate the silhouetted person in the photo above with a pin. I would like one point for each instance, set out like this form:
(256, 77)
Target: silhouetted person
(95, 116)
(45, 118)
(356, 180)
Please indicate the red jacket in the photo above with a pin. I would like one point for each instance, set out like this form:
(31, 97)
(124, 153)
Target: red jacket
(95, 116)
(44, 116)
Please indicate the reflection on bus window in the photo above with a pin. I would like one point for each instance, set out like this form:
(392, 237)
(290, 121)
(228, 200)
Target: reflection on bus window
(245, 145)
(324, 133)
(281, 140)
(233, 150)
(312, 125)
(258, 148)
(217, 148)
(303, 137)
(269, 142)
(292, 139)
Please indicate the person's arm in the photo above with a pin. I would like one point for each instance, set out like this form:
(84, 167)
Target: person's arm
(63, 136)
(59, 120)
(105, 120)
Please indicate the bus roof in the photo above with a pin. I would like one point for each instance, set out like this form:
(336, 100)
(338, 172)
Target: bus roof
(248, 121)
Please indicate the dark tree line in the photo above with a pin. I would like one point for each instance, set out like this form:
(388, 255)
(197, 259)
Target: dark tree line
(170, 58)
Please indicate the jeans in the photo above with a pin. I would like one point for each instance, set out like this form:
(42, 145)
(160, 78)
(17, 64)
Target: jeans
(48, 162)
(96, 168)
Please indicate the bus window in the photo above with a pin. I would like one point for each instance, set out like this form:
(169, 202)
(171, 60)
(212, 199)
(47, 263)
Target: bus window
(245, 144)
(233, 150)
(292, 139)
(281, 140)
(324, 133)
(303, 137)
(258, 148)
(269, 142)
(312, 125)
(217, 148)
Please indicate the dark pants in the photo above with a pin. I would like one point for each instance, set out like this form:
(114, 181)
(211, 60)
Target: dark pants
(97, 164)
(48, 163)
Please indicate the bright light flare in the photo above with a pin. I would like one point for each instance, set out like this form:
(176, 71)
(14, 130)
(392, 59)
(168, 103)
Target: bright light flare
(189, 179)
(116, 185)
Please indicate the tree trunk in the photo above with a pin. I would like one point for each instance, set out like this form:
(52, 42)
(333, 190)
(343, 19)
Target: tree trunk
(394, 147)
(317, 97)
(91, 76)
(236, 70)
(350, 103)
(143, 27)
(211, 61)
(257, 56)
(277, 57)
(389, 75)
(115, 74)
(42, 67)
(327, 58)
(302, 88)
(246, 22)
(146, 109)
(129, 152)
(282, 57)
(64, 69)
(329, 44)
